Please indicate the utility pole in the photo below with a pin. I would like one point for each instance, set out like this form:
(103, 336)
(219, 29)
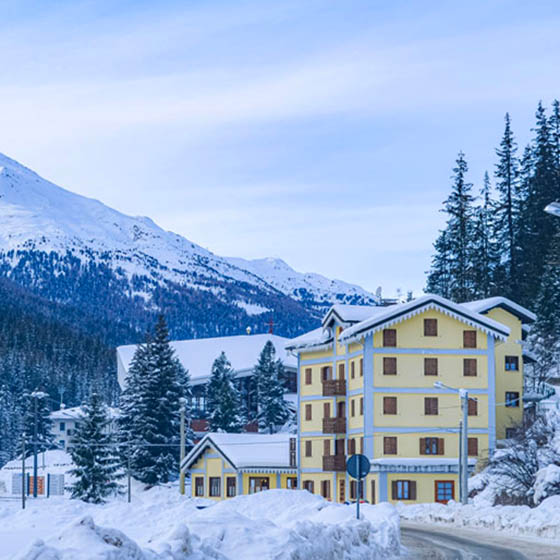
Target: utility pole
(465, 446)
(460, 466)
(35, 436)
(23, 472)
(182, 451)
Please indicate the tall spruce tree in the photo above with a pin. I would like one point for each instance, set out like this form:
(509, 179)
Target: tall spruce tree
(506, 216)
(272, 408)
(94, 454)
(223, 399)
(440, 276)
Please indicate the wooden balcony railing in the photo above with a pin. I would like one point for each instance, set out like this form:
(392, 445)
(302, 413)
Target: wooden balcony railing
(334, 387)
(334, 425)
(334, 463)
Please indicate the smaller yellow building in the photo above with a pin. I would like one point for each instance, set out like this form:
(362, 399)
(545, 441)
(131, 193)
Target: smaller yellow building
(227, 465)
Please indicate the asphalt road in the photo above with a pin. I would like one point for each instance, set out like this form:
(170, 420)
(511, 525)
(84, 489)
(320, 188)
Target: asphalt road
(449, 543)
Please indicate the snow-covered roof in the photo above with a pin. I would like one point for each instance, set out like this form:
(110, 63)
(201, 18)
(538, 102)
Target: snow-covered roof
(53, 461)
(75, 413)
(245, 450)
(352, 313)
(197, 355)
(316, 337)
(483, 305)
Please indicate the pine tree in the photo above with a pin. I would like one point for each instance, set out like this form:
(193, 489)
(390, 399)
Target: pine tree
(439, 276)
(485, 254)
(223, 399)
(272, 407)
(93, 453)
(507, 177)
(37, 410)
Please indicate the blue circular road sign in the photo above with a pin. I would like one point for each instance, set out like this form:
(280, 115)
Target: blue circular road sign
(358, 466)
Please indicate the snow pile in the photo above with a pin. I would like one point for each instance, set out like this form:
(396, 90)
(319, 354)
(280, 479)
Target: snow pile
(542, 521)
(160, 525)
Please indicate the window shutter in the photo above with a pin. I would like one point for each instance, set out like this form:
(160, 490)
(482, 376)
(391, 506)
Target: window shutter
(422, 446)
(430, 327)
(361, 367)
(352, 369)
(473, 446)
(389, 366)
(389, 405)
(326, 410)
(412, 489)
(441, 446)
(389, 337)
(430, 366)
(394, 490)
(469, 367)
(308, 449)
(308, 412)
(352, 407)
(326, 447)
(469, 339)
(341, 371)
(361, 405)
(473, 407)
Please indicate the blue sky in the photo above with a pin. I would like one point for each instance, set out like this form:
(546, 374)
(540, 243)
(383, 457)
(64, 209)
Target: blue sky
(321, 132)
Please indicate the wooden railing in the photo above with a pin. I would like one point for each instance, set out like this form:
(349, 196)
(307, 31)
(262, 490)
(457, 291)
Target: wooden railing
(334, 425)
(334, 463)
(334, 387)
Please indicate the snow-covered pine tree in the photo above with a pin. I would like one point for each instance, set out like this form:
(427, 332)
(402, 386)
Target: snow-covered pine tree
(272, 407)
(160, 387)
(223, 399)
(506, 211)
(485, 253)
(40, 401)
(439, 276)
(97, 466)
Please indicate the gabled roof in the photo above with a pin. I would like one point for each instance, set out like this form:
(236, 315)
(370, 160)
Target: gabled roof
(403, 311)
(350, 313)
(245, 450)
(484, 305)
(76, 413)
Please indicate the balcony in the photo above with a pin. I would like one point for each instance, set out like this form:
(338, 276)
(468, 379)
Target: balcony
(334, 463)
(334, 387)
(334, 425)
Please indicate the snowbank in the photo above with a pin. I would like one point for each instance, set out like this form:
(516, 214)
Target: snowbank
(542, 521)
(161, 525)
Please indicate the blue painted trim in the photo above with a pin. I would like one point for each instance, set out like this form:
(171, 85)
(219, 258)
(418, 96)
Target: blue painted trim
(196, 470)
(424, 430)
(213, 456)
(383, 490)
(457, 351)
(239, 489)
(314, 434)
(312, 470)
(313, 398)
(355, 392)
(316, 361)
(423, 390)
(491, 395)
(368, 387)
(354, 431)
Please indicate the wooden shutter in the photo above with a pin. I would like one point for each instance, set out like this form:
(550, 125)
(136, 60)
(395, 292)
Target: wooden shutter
(352, 446)
(326, 447)
(389, 337)
(469, 367)
(308, 452)
(430, 327)
(353, 407)
(441, 446)
(389, 366)
(361, 367)
(373, 491)
(390, 445)
(430, 366)
(473, 407)
(308, 376)
(326, 410)
(389, 405)
(352, 369)
(422, 446)
(473, 446)
(394, 490)
(341, 371)
(361, 445)
(308, 412)
(361, 406)
(412, 489)
(430, 406)
(469, 339)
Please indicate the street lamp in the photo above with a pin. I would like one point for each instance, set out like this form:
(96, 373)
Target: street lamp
(464, 442)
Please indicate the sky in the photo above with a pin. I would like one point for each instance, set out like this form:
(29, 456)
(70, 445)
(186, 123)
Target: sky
(320, 132)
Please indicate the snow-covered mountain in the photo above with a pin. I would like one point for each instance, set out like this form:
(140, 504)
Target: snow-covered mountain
(75, 250)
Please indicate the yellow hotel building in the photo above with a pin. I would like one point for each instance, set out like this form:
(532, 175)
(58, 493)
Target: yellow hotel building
(366, 385)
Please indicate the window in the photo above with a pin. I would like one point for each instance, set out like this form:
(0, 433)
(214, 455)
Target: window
(215, 486)
(362, 445)
(373, 491)
(258, 484)
(389, 337)
(62, 426)
(291, 483)
(352, 369)
(69, 431)
(430, 366)
(361, 367)
(352, 407)
(230, 487)
(354, 489)
(472, 446)
(431, 446)
(512, 399)
(352, 446)
(61, 443)
(326, 373)
(430, 327)
(512, 363)
(326, 489)
(403, 490)
(308, 485)
(469, 367)
(308, 448)
(473, 407)
(389, 366)
(308, 376)
(326, 410)
(341, 371)
(445, 491)
(326, 447)
(389, 405)
(510, 433)
(431, 406)
(390, 445)
(308, 412)
(199, 486)
(361, 406)
(469, 339)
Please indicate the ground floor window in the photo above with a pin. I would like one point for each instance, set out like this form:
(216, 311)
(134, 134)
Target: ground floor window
(258, 484)
(341, 490)
(373, 491)
(326, 489)
(215, 483)
(354, 489)
(199, 486)
(308, 485)
(445, 491)
(291, 482)
(403, 489)
(230, 487)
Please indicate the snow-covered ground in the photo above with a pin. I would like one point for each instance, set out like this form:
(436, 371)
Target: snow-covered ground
(160, 524)
(542, 521)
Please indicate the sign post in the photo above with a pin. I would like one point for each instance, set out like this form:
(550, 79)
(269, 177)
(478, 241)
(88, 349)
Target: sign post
(358, 466)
